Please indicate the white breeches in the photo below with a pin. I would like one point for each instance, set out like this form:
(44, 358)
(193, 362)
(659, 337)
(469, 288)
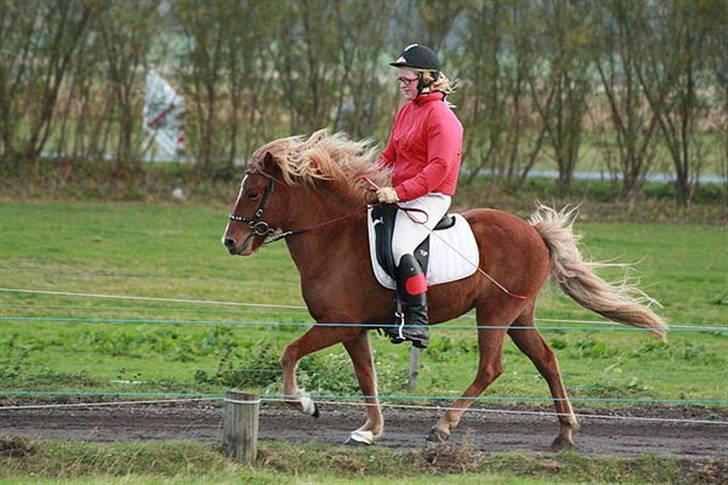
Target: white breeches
(409, 233)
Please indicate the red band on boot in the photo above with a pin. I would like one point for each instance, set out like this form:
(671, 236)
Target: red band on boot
(416, 285)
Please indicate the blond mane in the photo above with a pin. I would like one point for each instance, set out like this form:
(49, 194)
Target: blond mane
(324, 157)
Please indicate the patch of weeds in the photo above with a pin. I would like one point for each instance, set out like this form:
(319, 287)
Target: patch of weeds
(16, 447)
(687, 351)
(328, 374)
(631, 387)
(450, 458)
(11, 367)
(558, 343)
(67, 459)
(54, 378)
(708, 472)
(258, 368)
(593, 349)
(445, 348)
(174, 345)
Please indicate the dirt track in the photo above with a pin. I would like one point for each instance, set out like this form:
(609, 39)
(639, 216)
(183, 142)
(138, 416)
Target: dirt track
(403, 428)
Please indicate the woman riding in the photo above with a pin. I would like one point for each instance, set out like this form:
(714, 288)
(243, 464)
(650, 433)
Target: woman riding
(424, 152)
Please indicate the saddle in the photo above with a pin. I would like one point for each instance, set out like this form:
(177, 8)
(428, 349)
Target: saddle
(450, 253)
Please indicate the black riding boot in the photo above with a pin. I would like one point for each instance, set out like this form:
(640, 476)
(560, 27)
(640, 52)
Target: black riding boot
(412, 289)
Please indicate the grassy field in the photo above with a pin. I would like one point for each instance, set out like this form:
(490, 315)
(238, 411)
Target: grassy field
(57, 343)
(66, 343)
(185, 462)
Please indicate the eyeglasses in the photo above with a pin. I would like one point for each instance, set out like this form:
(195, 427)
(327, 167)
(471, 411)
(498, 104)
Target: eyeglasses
(406, 81)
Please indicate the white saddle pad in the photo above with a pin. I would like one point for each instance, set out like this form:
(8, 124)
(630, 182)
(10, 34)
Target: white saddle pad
(453, 254)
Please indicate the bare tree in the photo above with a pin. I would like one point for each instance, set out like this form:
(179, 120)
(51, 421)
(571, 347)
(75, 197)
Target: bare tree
(206, 25)
(305, 54)
(38, 40)
(360, 49)
(674, 78)
(126, 35)
(19, 23)
(496, 64)
(561, 82)
(250, 76)
(617, 62)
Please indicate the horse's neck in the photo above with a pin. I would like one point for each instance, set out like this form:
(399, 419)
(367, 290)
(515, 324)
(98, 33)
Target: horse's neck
(331, 233)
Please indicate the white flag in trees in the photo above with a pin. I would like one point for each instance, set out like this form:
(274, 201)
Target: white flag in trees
(164, 113)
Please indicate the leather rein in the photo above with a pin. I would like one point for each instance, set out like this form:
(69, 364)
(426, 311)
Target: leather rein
(263, 228)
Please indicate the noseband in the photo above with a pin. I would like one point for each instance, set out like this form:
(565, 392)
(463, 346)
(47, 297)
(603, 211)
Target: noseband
(256, 223)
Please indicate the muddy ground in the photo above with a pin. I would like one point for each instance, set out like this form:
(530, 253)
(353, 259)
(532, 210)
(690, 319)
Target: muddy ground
(404, 428)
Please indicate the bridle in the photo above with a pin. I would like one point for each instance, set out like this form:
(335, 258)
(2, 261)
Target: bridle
(256, 223)
(264, 229)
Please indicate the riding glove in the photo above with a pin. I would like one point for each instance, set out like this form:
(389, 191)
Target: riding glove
(387, 195)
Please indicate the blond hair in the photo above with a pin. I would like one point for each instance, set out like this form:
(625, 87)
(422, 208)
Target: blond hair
(442, 83)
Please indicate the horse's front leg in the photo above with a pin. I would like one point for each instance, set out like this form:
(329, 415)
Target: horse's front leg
(361, 357)
(316, 338)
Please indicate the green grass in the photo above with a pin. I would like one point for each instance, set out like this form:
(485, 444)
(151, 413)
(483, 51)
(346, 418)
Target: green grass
(173, 251)
(186, 462)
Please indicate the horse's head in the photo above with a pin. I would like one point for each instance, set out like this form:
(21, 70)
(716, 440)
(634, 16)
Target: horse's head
(257, 212)
(327, 169)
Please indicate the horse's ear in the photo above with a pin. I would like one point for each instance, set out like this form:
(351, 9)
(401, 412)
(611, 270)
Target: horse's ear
(270, 165)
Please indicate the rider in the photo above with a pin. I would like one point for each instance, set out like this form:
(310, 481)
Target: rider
(424, 152)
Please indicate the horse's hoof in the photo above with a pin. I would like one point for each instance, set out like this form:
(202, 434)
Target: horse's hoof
(360, 438)
(438, 436)
(561, 443)
(309, 406)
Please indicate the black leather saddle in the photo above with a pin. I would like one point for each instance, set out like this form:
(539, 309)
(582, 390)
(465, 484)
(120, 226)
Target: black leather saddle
(383, 232)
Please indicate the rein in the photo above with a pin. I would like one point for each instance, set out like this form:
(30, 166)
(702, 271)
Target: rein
(265, 230)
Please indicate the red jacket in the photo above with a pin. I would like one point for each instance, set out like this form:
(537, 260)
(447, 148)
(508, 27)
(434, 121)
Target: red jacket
(424, 148)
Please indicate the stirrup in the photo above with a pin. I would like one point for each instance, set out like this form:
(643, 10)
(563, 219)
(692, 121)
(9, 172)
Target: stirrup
(398, 334)
(395, 332)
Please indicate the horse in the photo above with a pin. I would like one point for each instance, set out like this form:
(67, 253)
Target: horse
(313, 193)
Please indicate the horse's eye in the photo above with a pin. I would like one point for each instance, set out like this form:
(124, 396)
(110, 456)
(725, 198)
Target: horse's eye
(252, 195)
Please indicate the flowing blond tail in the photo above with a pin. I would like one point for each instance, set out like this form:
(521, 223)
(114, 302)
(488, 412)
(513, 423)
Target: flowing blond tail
(623, 302)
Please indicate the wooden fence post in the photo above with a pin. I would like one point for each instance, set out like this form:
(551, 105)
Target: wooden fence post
(414, 364)
(240, 426)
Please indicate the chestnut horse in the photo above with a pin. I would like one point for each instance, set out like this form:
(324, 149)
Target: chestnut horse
(311, 193)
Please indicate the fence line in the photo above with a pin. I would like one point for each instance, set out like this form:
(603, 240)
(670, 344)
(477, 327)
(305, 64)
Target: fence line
(153, 308)
(98, 404)
(615, 328)
(354, 396)
(401, 406)
(148, 298)
(526, 413)
(294, 307)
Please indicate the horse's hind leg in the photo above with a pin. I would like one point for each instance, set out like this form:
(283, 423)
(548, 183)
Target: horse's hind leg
(361, 356)
(531, 343)
(490, 366)
(314, 339)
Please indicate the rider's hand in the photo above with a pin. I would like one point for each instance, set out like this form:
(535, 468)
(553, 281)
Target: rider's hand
(387, 195)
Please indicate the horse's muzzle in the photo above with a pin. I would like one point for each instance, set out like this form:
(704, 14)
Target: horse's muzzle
(230, 245)
(242, 249)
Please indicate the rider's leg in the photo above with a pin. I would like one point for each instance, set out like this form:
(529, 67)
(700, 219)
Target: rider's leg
(410, 229)
(412, 288)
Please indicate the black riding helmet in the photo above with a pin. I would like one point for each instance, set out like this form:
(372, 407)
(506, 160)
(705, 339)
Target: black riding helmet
(419, 57)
